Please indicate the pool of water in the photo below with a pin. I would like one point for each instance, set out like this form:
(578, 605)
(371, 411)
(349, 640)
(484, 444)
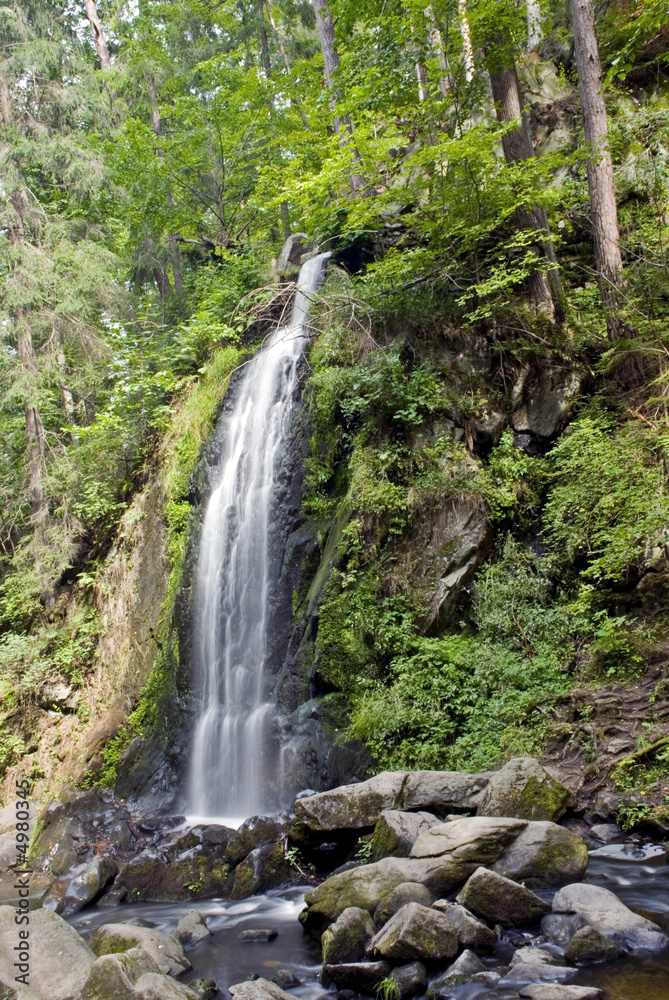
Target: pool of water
(639, 876)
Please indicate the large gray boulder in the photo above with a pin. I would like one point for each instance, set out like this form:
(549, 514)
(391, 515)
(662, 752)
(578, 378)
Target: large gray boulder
(525, 789)
(406, 892)
(602, 910)
(554, 991)
(165, 950)
(396, 832)
(265, 868)
(60, 960)
(540, 854)
(470, 932)
(535, 965)
(354, 807)
(411, 980)
(500, 900)
(113, 977)
(346, 940)
(79, 820)
(544, 855)
(367, 885)
(416, 933)
(480, 839)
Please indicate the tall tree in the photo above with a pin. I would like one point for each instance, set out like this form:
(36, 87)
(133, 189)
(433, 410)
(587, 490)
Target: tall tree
(98, 33)
(603, 208)
(517, 145)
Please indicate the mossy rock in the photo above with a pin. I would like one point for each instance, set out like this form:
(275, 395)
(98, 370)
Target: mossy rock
(265, 868)
(152, 878)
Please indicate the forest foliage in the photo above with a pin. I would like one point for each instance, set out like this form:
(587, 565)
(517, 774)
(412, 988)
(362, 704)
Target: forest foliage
(149, 179)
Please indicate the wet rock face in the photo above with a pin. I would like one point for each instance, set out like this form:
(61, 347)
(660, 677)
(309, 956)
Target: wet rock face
(264, 868)
(156, 876)
(254, 832)
(70, 895)
(542, 401)
(347, 939)
(362, 977)
(71, 829)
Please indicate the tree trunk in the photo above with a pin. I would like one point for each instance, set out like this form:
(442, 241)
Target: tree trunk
(155, 111)
(326, 34)
(98, 33)
(517, 146)
(599, 167)
(467, 47)
(34, 434)
(535, 27)
(437, 43)
(286, 61)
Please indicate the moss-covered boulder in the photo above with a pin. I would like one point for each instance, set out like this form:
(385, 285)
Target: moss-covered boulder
(265, 868)
(416, 933)
(253, 833)
(367, 885)
(113, 977)
(165, 950)
(501, 901)
(470, 932)
(544, 855)
(346, 940)
(155, 877)
(480, 839)
(69, 828)
(361, 977)
(406, 892)
(525, 789)
(589, 947)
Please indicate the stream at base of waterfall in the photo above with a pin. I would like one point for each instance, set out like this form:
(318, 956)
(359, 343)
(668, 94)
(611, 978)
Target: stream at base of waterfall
(235, 758)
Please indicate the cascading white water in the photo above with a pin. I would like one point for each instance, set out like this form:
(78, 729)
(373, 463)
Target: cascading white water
(232, 755)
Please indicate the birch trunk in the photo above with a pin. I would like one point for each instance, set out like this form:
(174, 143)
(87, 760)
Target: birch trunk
(98, 33)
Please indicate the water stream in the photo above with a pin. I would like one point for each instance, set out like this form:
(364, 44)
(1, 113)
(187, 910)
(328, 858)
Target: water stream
(235, 760)
(640, 877)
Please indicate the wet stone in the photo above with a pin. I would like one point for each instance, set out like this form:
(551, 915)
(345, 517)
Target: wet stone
(258, 934)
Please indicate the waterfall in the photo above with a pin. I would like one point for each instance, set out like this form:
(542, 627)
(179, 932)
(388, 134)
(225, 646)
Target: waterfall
(235, 755)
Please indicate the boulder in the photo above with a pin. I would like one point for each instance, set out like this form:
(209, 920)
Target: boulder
(286, 979)
(470, 932)
(366, 885)
(534, 965)
(460, 540)
(71, 827)
(113, 977)
(85, 887)
(554, 991)
(523, 788)
(406, 892)
(462, 969)
(191, 929)
(561, 927)
(155, 876)
(541, 400)
(602, 910)
(256, 934)
(411, 980)
(290, 256)
(155, 986)
(416, 933)
(363, 977)
(396, 832)
(539, 853)
(253, 833)
(60, 960)
(355, 807)
(347, 938)
(589, 947)
(543, 855)
(165, 950)
(265, 868)
(479, 839)
(500, 900)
